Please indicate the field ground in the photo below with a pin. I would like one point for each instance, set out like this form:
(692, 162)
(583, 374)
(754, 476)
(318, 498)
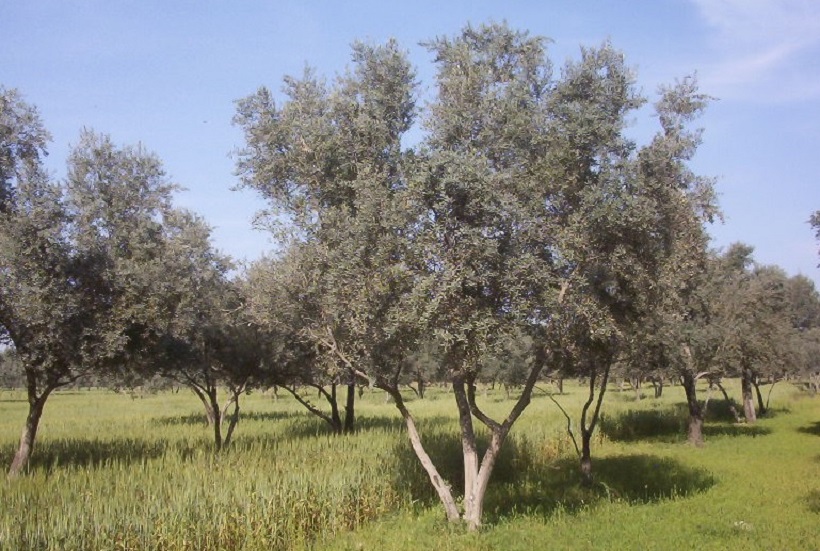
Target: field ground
(112, 471)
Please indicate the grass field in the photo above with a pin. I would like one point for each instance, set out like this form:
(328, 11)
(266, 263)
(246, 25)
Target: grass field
(115, 472)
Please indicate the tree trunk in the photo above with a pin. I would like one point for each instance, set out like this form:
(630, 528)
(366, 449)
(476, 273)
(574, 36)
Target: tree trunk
(748, 396)
(336, 419)
(761, 407)
(586, 458)
(695, 430)
(474, 507)
(587, 429)
(210, 416)
(468, 446)
(657, 385)
(333, 419)
(732, 408)
(443, 490)
(234, 419)
(559, 382)
(350, 411)
(27, 438)
(217, 417)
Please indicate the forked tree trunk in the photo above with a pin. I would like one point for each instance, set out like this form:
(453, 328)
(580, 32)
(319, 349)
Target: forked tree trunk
(27, 438)
(588, 425)
(474, 507)
(748, 396)
(236, 393)
(210, 415)
(760, 405)
(331, 419)
(477, 471)
(657, 384)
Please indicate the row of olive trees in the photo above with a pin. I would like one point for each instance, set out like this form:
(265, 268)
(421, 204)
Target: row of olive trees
(524, 211)
(735, 319)
(101, 276)
(525, 229)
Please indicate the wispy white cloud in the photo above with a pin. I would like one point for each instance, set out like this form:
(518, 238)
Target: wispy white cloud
(767, 50)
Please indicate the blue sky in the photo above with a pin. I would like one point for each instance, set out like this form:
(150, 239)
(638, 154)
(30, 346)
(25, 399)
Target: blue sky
(167, 73)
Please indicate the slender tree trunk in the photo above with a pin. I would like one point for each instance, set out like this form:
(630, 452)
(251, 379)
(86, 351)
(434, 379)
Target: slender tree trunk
(234, 419)
(732, 408)
(748, 396)
(336, 419)
(441, 486)
(350, 405)
(217, 417)
(27, 438)
(210, 416)
(769, 394)
(588, 426)
(657, 385)
(761, 407)
(468, 444)
(586, 458)
(333, 419)
(559, 382)
(695, 430)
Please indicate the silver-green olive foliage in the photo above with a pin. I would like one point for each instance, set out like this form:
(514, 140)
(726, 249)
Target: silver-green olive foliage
(329, 161)
(523, 209)
(90, 267)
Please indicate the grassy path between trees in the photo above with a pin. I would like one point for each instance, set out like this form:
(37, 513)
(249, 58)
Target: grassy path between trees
(115, 472)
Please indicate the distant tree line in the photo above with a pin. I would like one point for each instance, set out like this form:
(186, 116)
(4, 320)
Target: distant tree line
(525, 237)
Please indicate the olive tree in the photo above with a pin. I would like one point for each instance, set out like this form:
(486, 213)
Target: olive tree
(329, 162)
(83, 261)
(524, 211)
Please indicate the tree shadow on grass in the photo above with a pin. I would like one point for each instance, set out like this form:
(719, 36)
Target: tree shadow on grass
(59, 453)
(525, 482)
(735, 429)
(633, 479)
(813, 429)
(813, 501)
(670, 425)
(193, 419)
(658, 425)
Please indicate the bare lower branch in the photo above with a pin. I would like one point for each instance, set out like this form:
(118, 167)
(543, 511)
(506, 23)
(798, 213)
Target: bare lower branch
(490, 423)
(567, 417)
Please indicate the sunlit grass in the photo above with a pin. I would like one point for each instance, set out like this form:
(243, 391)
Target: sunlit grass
(115, 472)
